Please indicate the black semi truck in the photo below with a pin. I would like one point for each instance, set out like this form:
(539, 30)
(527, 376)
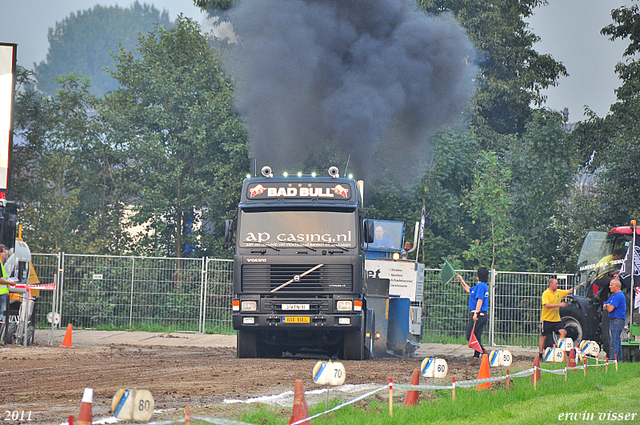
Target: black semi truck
(299, 276)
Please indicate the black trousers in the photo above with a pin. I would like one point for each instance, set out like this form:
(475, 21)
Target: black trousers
(483, 316)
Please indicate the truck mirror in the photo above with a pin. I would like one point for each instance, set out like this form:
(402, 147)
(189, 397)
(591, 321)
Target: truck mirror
(368, 231)
(228, 230)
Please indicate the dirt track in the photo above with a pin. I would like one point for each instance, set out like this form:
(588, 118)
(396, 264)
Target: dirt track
(49, 381)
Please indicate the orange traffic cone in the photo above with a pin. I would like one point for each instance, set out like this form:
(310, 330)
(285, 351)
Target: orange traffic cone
(66, 342)
(536, 374)
(484, 372)
(300, 409)
(411, 399)
(572, 359)
(84, 417)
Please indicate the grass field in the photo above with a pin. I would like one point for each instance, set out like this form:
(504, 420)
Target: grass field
(599, 398)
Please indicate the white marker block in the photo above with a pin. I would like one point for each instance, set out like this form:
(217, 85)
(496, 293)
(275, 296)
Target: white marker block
(507, 358)
(143, 405)
(565, 344)
(500, 358)
(495, 358)
(589, 348)
(133, 404)
(553, 355)
(329, 373)
(434, 368)
(122, 404)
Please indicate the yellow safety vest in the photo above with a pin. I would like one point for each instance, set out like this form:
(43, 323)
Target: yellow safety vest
(4, 289)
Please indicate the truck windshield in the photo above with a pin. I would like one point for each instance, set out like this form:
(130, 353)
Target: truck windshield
(597, 256)
(297, 228)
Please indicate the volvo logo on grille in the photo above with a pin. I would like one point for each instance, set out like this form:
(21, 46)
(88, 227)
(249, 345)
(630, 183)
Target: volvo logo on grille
(256, 260)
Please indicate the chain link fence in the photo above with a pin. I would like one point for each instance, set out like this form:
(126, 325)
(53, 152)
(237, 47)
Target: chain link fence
(194, 295)
(515, 302)
(145, 293)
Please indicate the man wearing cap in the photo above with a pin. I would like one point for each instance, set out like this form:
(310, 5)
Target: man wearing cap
(4, 284)
(616, 305)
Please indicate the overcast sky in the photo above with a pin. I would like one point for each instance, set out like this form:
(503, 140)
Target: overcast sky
(570, 31)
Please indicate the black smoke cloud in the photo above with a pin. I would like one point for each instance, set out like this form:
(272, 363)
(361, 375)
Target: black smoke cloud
(370, 80)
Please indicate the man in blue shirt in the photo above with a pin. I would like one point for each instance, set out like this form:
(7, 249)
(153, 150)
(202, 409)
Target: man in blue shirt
(478, 309)
(381, 241)
(616, 305)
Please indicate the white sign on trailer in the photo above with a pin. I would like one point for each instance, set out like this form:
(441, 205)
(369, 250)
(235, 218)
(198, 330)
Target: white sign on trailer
(405, 277)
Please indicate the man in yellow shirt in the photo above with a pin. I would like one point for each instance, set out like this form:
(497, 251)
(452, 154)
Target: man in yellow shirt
(550, 316)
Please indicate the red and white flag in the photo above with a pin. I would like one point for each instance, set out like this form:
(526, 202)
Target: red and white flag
(473, 342)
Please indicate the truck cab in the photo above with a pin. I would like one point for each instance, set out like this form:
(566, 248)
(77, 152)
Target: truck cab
(299, 279)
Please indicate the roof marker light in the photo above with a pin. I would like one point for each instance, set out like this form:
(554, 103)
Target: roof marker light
(299, 174)
(313, 174)
(285, 174)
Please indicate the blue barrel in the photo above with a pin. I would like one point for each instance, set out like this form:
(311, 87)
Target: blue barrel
(398, 320)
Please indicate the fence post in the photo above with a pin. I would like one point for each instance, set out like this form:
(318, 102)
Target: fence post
(55, 296)
(61, 265)
(133, 274)
(203, 293)
(492, 308)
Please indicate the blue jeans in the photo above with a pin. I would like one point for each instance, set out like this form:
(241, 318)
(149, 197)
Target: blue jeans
(3, 304)
(615, 329)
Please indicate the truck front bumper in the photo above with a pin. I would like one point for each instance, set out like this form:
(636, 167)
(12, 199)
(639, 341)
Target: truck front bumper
(270, 321)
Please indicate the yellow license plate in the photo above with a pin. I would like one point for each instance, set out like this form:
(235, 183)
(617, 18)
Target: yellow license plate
(296, 319)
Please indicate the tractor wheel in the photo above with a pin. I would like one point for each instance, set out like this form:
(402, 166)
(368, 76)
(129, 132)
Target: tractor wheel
(10, 335)
(31, 334)
(572, 321)
(626, 353)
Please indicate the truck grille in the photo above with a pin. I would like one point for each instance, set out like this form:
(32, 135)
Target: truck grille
(261, 278)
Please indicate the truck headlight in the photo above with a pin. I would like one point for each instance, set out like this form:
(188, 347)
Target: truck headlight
(344, 305)
(249, 306)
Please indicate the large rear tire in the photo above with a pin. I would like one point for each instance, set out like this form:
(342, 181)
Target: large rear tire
(10, 336)
(247, 344)
(626, 353)
(572, 320)
(354, 345)
(31, 334)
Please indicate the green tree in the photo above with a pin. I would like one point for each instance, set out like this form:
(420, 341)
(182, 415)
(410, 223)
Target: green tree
(65, 177)
(611, 144)
(450, 173)
(214, 6)
(495, 242)
(542, 172)
(621, 180)
(512, 73)
(83, 43)
(186, 147)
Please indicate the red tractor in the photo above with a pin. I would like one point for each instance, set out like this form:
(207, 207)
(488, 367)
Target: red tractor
(600, 259)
